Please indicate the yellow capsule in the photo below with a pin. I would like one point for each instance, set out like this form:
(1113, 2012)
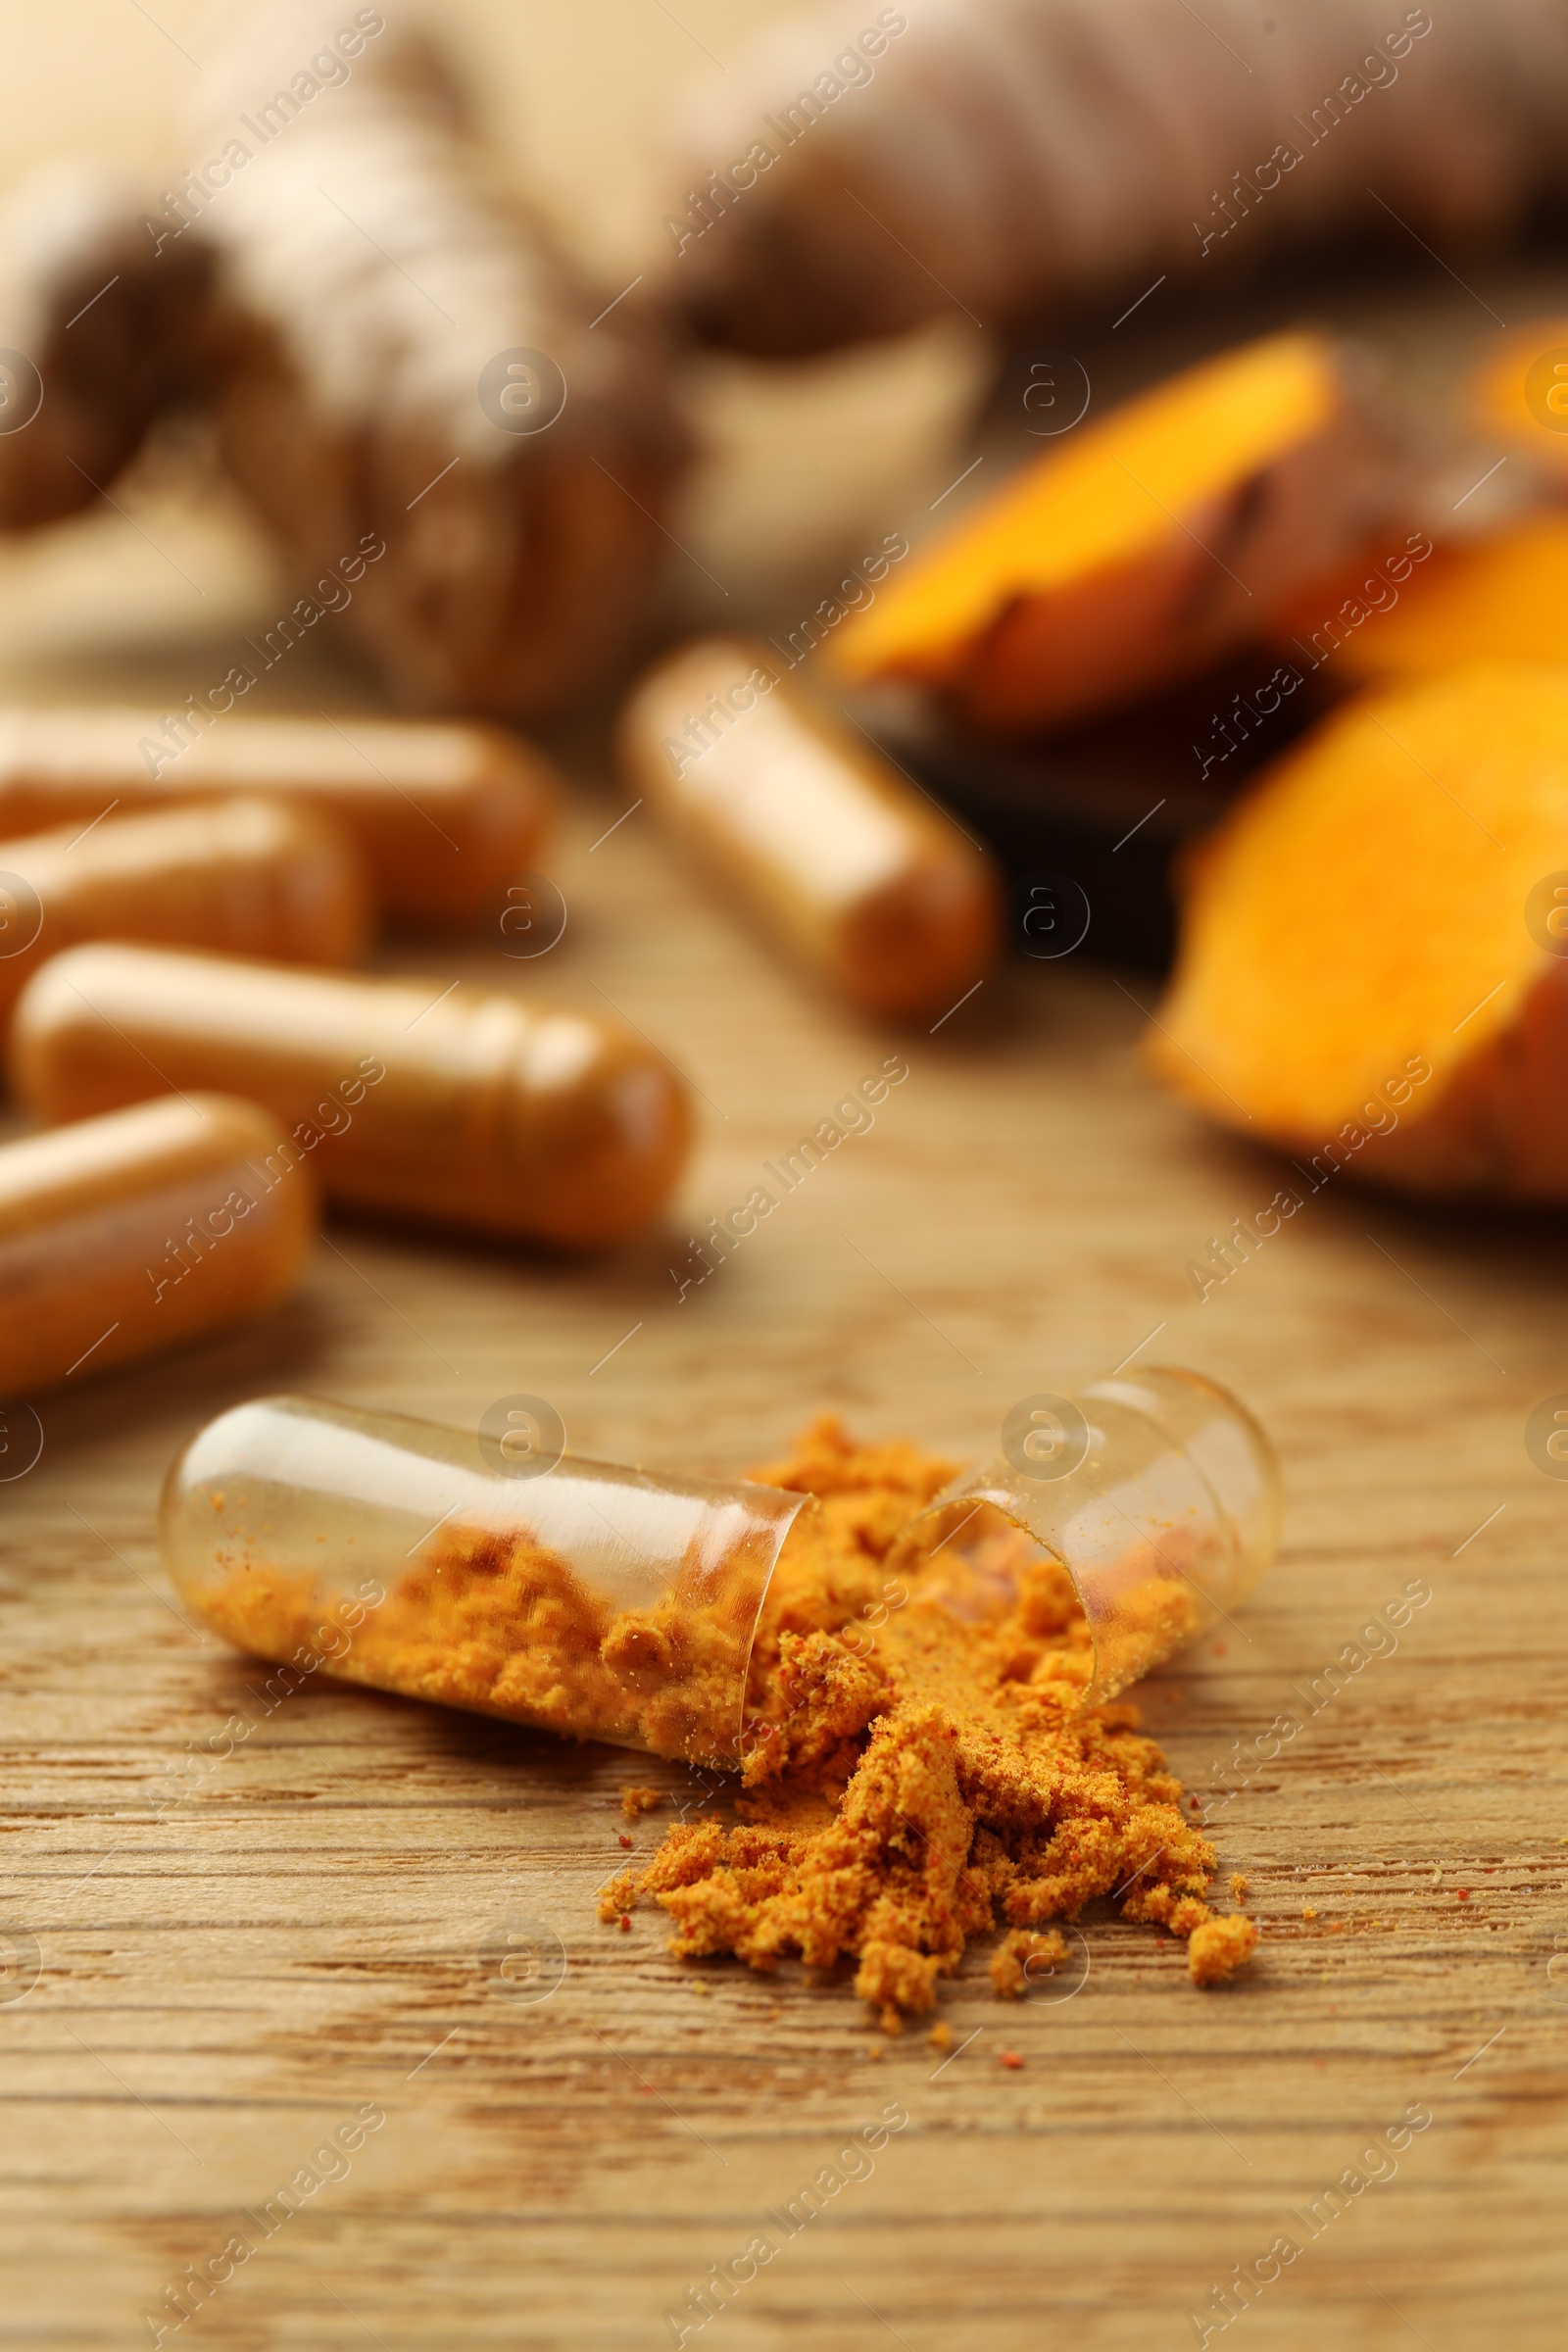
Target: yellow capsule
(415, 1097)
(444, 815)
(250, 876)
(803, 819)
(125, 1236)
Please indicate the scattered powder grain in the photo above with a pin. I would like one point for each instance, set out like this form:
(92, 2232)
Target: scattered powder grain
(941, 2036)
(1009, 1962)
(914, 1781)
(1218, 1948)
(1238, 1885)
(640, 1800)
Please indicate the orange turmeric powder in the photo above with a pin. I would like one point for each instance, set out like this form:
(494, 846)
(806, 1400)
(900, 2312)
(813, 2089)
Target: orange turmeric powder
(912, 1777)
(914, 1781)
(497, 1623)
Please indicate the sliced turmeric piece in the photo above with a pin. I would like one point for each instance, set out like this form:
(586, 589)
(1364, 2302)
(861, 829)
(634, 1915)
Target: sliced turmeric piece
(1520, 391)
(1373, 970)
(1138, 550)
(1500, 598)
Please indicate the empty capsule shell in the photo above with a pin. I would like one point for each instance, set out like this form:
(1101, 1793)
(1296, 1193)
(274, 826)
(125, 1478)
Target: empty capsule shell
(413, 1096)
(125, 1236)
(445, 816)
(805, 824)
(249, 876)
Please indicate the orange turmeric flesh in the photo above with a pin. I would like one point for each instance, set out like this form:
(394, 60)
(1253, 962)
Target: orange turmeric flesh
(1136, 550)
(1520, 392)
(1374, 944)
(914, 1781)
(1494, 598)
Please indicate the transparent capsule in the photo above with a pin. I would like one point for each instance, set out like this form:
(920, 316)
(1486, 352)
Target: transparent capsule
(486, 1569)
(1159, 1494)
(461, 1566)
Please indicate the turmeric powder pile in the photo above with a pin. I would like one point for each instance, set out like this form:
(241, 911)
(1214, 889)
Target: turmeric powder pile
(914, 1775)
(912, 1780)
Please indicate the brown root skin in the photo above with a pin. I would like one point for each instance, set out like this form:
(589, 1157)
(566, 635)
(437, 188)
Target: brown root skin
(516, 561)
(496, 571)
(111, 327)
(1013, 155)
(1141, 550)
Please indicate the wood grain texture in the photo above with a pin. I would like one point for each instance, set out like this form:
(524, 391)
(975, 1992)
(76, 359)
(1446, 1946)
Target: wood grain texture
(231, 1964)
(227, 1976)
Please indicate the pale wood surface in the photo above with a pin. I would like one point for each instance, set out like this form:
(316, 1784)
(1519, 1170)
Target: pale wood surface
(226, 1980)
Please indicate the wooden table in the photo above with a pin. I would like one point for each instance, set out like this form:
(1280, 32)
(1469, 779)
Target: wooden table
(233, 1964)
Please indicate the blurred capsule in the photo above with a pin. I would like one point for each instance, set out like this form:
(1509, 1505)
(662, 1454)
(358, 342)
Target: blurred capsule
(444, 815)
(415, 1097)
(248, 876)
(126, 1236)
(870, 885)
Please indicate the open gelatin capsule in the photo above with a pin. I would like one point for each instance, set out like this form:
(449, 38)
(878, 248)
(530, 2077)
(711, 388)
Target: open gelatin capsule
(492, 1572)
(1159, 1493)
(485, 1573)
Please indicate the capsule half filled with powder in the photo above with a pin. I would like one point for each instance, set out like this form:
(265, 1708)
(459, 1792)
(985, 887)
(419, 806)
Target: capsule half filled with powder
(416, 1098)
(478, 1568)
(805, 824)
(1159, 1493)
(126, 1236)
(248, 876)
(444, 816)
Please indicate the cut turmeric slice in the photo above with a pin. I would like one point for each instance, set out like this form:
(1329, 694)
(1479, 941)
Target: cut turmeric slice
(1140, 549)
(1520, 392)
(1374, 963)
(1500, 598)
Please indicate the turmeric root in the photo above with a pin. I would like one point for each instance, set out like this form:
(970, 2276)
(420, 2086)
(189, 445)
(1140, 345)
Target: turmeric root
(1373, 971)
(1494, 598)
(398, 356)
(865, 169)
(99, 342)
(1138, 551)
